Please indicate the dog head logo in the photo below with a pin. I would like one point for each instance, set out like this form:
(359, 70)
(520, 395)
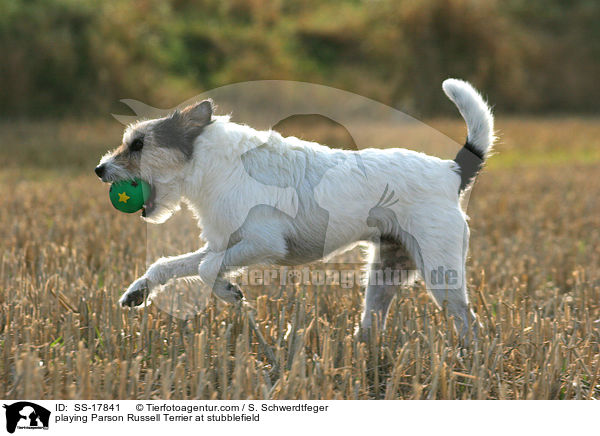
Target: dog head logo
(26, 415)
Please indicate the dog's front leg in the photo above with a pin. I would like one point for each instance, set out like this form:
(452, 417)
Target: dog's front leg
(211, 272)
(245, 253)
(160, 272)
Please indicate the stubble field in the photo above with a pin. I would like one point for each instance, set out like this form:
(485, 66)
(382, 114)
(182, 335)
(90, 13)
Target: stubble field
(533, 272)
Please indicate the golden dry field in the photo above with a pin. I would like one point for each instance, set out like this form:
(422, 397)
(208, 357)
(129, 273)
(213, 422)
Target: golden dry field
(67, 255)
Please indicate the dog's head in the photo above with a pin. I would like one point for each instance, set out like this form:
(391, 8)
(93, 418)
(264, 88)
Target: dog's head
(159, 152)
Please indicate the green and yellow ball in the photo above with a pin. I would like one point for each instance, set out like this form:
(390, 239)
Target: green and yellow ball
(129, 196)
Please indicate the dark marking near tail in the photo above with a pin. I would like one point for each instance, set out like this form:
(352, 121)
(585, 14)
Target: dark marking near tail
(470, 160)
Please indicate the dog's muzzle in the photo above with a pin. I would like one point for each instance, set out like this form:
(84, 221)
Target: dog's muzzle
(100, 170)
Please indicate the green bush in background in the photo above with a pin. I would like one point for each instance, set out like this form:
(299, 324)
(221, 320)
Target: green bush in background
(73, 57)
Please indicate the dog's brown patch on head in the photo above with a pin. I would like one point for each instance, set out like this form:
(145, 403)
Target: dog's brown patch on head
(127, 159)
(179, 130)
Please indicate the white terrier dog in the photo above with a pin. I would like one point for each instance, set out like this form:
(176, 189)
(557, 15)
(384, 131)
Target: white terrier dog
(261, 198)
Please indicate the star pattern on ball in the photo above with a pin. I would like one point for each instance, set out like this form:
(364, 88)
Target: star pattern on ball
(123, 197)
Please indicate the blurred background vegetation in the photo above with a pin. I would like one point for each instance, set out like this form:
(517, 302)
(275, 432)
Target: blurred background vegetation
(79, 57)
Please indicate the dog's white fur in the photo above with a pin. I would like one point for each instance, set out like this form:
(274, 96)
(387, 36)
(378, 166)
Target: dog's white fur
(255, 195)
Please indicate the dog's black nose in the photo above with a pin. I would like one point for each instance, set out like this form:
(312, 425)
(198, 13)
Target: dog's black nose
(99, 170)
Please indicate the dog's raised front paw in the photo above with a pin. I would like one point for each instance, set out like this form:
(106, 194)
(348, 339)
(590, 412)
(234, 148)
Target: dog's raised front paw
(136, 294)
(229, 292)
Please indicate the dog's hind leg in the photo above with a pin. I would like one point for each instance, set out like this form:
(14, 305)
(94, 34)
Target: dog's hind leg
(393, 268)
(456, 302)
(443, 255)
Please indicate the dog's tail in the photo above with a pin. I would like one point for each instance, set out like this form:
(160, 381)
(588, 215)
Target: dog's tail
(480, 129)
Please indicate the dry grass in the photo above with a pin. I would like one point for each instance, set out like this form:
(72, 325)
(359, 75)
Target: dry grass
(534, 276)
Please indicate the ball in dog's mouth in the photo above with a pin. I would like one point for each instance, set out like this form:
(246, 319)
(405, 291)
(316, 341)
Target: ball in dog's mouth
(150, 203)
(129, 195)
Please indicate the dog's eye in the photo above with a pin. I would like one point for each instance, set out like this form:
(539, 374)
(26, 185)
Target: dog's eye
(137, 144)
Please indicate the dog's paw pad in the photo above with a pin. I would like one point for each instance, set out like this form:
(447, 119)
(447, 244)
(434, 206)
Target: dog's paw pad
(235, 291)
(135, 295)
(229, 293)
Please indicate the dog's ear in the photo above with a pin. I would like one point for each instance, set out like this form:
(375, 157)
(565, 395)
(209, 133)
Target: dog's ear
(199, 113)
